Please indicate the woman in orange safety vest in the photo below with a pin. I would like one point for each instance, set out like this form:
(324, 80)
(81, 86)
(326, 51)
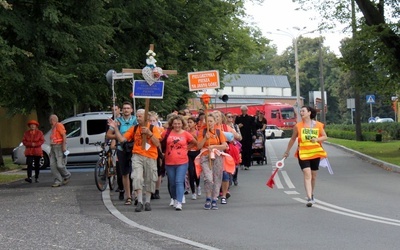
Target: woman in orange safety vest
(309, 134)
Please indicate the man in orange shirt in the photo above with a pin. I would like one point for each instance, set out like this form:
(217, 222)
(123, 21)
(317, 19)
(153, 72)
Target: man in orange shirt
(58, 144)
(144, 160)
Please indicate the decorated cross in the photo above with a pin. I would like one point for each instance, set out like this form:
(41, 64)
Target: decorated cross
(151, 73)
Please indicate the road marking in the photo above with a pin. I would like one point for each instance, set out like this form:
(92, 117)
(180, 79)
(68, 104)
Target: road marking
(324, 205)
(291, 192)
(352, 213)
(287, 179)
(109, 205)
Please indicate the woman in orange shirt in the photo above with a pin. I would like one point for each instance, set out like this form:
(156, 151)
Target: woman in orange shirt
(309, 134)
(192, 154)
(176, 157)
(211, 163)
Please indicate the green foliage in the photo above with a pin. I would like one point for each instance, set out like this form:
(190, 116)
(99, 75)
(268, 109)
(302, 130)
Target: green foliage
(389, 131)
(61, 51)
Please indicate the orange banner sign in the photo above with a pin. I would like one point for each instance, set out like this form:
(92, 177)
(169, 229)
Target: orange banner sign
(203, 80)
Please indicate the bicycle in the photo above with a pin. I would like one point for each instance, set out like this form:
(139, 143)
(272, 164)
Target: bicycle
(105, 167)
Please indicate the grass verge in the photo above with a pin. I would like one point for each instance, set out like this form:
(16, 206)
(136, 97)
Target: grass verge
(5, 175)
(388, 151)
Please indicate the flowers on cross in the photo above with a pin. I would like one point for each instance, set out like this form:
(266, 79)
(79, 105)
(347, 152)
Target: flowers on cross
(151, 61)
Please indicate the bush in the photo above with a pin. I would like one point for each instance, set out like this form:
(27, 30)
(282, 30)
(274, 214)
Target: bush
(389, 131)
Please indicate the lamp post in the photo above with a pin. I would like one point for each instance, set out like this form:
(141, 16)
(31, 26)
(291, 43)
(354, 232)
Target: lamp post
(296, 63)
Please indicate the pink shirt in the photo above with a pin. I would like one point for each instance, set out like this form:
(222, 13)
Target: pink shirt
(177, 148)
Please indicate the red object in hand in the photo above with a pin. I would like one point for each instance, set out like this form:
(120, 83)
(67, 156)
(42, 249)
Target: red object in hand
(270, 183)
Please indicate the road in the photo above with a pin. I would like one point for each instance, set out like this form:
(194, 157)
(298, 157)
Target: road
(357, 208)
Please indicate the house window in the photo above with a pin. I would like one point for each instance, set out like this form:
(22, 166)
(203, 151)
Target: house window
(231, 88)
(262, 89)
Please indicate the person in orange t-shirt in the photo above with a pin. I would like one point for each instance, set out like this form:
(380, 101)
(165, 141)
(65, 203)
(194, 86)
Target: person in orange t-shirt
(211, 163)
(144, 160)
(176, 157)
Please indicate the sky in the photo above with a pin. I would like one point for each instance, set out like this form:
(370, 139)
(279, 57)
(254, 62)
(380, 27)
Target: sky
(281, 14)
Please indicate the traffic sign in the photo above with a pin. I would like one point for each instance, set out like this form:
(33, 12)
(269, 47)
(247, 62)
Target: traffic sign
(142, 89)
(370, 99)
(203, 80)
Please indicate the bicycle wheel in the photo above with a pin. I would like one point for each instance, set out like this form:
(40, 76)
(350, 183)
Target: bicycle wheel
(100, 174)
(111, 171)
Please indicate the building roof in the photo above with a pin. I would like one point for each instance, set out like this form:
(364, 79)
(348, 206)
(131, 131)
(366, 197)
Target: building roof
(248, 80)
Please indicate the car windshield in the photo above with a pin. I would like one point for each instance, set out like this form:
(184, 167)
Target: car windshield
(287, 113)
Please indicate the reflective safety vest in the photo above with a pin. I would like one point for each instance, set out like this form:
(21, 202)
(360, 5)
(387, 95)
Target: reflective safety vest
(310, 150)
(56, 133)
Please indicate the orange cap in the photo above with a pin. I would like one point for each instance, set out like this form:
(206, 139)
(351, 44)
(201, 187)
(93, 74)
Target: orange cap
(33, 122)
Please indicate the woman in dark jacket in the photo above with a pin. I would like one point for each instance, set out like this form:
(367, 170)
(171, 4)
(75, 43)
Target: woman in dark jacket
(33, 140)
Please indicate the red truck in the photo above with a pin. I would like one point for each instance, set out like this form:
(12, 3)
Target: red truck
(282, 115)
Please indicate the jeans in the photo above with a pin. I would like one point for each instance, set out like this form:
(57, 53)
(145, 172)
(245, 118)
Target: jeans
(176, 178)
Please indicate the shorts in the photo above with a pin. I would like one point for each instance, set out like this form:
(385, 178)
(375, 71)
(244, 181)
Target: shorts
(225, 176)
(313, 164)
(124, 162)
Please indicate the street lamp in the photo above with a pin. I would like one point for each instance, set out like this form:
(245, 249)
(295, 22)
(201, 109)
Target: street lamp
(296, 63)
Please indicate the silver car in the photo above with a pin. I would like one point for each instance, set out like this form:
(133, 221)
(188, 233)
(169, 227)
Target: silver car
(82, 130)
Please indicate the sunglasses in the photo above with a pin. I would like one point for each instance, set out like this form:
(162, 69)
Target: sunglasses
(229, 116)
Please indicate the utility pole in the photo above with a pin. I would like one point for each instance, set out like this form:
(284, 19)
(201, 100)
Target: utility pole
(321, 80)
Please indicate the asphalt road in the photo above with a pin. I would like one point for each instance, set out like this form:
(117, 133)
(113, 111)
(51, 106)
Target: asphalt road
(357, 208)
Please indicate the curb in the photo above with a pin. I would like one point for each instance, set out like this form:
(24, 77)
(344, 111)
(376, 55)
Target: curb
(382, 164)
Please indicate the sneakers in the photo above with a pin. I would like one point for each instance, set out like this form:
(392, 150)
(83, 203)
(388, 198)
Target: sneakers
(194, 196)
(66, 180)
(157, 195)
(28, 180)
(147, 206)
(235, 182)
(172, 202)
(178, 207)
(183, 200)
(198, 191)
(139, 207)
(121, 196)
(214, 205)
(228, 195)
(36, 180)
(310, 202)
(223, 200)
(207, 205)
(175, 203)
(56, 185)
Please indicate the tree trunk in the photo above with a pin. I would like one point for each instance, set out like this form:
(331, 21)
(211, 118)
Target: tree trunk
(1, 157)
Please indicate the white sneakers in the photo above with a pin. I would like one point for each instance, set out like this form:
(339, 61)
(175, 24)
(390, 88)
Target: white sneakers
(198, 190)
(194, 196)
(183, 199)
(172, 202)
(178, 206)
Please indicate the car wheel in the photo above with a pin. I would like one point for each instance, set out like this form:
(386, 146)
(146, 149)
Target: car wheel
(273, 136)
(45, 161)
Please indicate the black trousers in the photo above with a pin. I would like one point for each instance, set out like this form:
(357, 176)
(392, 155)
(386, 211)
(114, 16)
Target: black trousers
(33, 162)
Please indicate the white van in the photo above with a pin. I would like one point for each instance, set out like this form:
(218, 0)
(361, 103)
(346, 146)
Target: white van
(82, 129)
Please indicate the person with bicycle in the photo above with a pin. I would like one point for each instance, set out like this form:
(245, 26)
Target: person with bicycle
(124, 122)
(144, 157)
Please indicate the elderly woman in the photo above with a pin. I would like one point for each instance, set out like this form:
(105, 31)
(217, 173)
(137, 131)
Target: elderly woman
(33, 140)
(176, 157)
(211, 140)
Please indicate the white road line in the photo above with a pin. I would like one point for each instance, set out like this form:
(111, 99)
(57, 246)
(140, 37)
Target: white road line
(291, 192)
(287, 179)
(352, 213)
(109, 205)
(277, 181)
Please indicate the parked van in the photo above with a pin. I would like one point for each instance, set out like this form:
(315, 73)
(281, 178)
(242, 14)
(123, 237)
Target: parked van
(82, 130)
